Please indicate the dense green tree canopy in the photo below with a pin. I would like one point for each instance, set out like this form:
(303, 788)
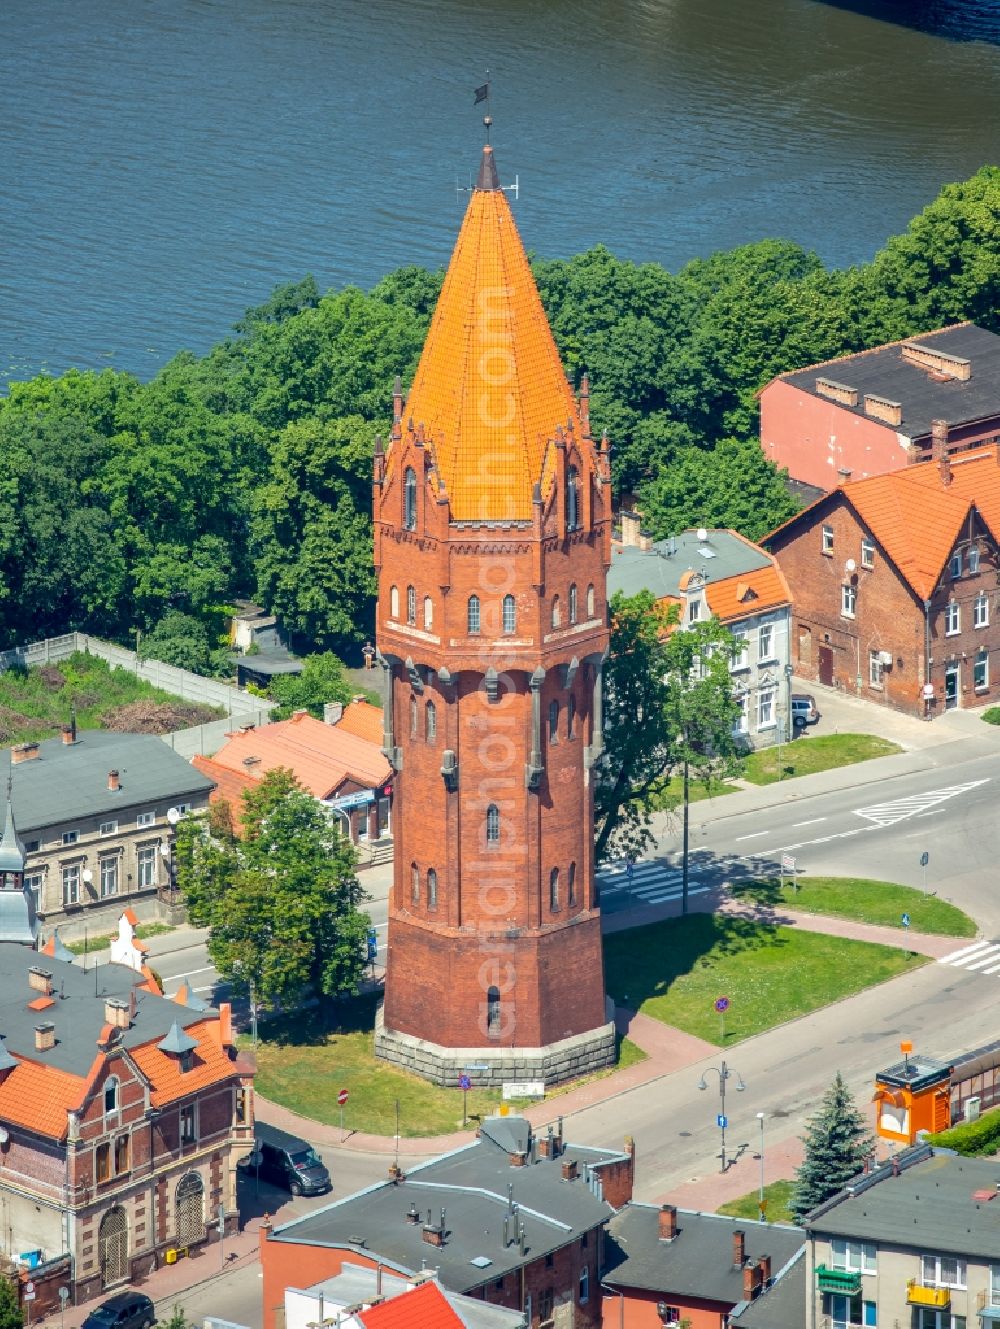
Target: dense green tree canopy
(837, 1144)
(245, 472)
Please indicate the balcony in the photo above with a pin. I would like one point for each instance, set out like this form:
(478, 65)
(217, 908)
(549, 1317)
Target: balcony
(939, 1298)
(843, 1281)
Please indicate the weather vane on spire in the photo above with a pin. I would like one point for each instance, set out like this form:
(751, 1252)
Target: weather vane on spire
(483, 95)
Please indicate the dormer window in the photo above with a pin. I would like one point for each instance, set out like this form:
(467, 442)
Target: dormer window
(186, 1060)
(110, 1096)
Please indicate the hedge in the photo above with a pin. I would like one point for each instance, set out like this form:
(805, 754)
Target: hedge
(971, 1137)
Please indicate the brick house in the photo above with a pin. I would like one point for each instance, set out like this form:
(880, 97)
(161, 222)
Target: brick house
(123, 1117)
(514, 1219)
(95, 811)
(361, 1298)
(871, 413)
(726, 576)
(894, 583)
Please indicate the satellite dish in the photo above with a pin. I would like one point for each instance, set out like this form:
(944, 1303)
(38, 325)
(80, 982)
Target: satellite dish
(173, 816)
(850, 565)
(88, 876)
(702, 533)
(165, 850)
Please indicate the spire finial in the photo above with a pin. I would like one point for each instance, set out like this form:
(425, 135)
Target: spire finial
(488, 178)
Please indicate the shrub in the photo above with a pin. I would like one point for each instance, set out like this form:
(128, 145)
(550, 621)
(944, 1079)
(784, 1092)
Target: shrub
(971, 1137)
(992, 715)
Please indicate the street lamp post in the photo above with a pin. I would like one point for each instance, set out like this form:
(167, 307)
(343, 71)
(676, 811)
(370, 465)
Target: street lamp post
(724, 1073)
(684, 851)
(760, 1200)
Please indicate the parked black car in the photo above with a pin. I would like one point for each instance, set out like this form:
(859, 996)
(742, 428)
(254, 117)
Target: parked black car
(285, 1160)
(125, 1310)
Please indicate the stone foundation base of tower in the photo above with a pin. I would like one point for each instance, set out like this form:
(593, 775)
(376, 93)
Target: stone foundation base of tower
(492, 1066)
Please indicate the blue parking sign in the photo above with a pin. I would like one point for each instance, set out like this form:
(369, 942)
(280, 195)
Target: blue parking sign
(722, 1121)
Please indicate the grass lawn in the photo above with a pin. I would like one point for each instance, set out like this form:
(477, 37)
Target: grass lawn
(143, 931)
(671, 793)
(35, 703)
(675, 970)
(302, 1068)
(861, 899)
(808, 755)
(776, 1196)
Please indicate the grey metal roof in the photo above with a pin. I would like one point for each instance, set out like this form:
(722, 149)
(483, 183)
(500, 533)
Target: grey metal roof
(884, 372)
(471, 1185)
(78, 1011)
(269, 663)
(699, 1261)
(12, 851)
(70, 780)
(660, 568)
(782, 1306)
(928, 1204)
(59, 950)
(17, 918)
(356, 1285)
(7, 1062)
(177, 1041)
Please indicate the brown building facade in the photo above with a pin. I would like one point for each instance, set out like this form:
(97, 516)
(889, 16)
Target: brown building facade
(894, 583)
(492, 539)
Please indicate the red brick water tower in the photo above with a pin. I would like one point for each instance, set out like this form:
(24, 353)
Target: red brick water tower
(492, 509)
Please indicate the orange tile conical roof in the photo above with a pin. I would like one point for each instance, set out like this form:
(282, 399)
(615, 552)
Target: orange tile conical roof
(490, 390)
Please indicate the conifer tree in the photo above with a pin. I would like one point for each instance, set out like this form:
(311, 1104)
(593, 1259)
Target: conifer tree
(837, 1144)
(10, 1312)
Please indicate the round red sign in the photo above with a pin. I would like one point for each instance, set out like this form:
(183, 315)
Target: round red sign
(342, 1097)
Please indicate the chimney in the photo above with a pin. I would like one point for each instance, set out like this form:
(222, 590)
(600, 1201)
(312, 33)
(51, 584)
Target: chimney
(518, 1160)
(739, 1248)
(631, 527)
(413, 1215)
(40, 980)
(332, 712)
(68, 737)
(45, 1037)
(116, 1013)
(764, 1264)
(432, 1235)
(23, 752)
(114, 782)
(569, 1169)
(751, 1280)
(939, 449)
(668, 1222)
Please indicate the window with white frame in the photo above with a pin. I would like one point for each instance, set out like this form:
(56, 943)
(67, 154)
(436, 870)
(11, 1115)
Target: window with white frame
(70, 837)
(973, 560)
(981, 611)
(71, 883)
(867, 552)
(926, 1318)
(189, 1125)
(145, 819)
(765, 708)
(994, 1285)
(694, 611)
(33, 883)
(846, 1311)
(183, 808)
(742, 722)
(875, 668)
(765, 641)
(109, 876)
(848, 600)
(981, 671)
(109, 828)
(411, 606)
(394, 602)
(428, 612)
(584, 1285)
(146, 864)
(955, 564)
(952, 618)
(942, 1271)
(509, 614)
(827, 539)
(857, 1257)
(741, 650)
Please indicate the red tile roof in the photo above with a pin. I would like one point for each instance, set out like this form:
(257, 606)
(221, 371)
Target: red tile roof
(321, 756)
(230, 785)
(423, 1307)
(363, 720)
(748, 593)
(168, 1082)
(39, 1097)
(916, 518)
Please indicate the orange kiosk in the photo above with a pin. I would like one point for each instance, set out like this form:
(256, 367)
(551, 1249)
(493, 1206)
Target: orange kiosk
(913, 1095)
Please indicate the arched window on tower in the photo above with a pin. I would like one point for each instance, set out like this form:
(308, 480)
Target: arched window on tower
(414, 883)
(571, 886)
(410, 499)
(492, 824)
(493, 1012)
(590, 602)
(411, 606)
(572, 498)
(428, 612)
(394, 602)
(432, 889)
(430, 722)
(556, 611)
(413, 717)
(572, 603)
(571, 718)
(553, 722)
(472, 616)
(509, 614)
(554, 889)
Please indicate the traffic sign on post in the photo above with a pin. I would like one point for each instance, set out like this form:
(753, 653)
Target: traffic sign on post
(722, 1004)
(464, 1082)
(722, 1121)
(342, 1097)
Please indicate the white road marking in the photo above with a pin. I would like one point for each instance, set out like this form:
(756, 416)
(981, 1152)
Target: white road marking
(901, 809)
(952, 956)
(814, 822)
(755, 835)
(982, 957)
(992, 954)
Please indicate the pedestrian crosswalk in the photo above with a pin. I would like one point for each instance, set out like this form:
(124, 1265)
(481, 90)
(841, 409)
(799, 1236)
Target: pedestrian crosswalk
(654, 881)
(979, 956)
(901, 809)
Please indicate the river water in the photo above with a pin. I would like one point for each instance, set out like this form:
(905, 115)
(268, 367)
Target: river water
(166, 162)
